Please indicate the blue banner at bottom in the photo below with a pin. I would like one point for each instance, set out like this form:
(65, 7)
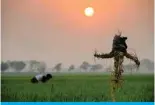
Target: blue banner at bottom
(77, 103)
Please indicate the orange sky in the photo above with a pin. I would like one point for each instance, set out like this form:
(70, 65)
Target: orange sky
(58, 31)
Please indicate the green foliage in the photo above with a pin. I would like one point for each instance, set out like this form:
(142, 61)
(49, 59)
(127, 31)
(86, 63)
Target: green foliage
(77, 88)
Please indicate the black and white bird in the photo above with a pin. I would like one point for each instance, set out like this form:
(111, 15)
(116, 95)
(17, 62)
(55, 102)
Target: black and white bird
(41, 78)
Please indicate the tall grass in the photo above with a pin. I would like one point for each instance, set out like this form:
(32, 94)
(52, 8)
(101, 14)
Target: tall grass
(77, 88)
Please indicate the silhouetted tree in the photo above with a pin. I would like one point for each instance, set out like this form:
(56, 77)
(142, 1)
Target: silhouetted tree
(130, 68)
(4, 66)
(148, 64)
(72, 67)
(37, 66)
(58, 67)
(96, 67)
(41, 67)
(84, 65)
(33, 65)
(17, 65)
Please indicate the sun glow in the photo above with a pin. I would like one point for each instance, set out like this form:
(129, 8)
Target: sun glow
(89, 11)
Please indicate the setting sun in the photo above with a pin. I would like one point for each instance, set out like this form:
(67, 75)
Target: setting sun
(89, 11)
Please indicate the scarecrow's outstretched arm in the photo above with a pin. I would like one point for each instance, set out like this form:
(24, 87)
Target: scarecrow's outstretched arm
(134, 58)
(104, 55)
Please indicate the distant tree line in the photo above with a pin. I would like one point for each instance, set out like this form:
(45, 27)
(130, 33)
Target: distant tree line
(146, 65)
(18, 66)
(15, 65)
(86, 66)
(38, 66)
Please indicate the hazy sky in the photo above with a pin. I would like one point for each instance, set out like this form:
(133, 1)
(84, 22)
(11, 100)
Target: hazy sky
(58, 31)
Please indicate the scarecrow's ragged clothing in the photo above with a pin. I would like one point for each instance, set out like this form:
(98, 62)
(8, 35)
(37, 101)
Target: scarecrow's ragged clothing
(119, 50)
(115, 53)
(118, 60)
(119, 43)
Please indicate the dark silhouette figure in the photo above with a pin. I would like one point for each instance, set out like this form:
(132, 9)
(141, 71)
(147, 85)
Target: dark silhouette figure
(41, 78)
(119, 47)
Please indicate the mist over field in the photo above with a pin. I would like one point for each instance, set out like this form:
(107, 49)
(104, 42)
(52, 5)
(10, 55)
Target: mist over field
(147, 66)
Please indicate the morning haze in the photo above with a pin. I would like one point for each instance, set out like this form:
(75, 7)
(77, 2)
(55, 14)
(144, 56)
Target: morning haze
(58, 31)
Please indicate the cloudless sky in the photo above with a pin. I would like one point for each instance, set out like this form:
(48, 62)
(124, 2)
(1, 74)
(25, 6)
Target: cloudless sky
(58, 31)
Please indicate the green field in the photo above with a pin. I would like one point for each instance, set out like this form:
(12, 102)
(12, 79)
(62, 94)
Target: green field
(77, 87)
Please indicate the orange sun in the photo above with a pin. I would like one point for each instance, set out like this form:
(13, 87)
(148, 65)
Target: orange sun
(89, 11)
